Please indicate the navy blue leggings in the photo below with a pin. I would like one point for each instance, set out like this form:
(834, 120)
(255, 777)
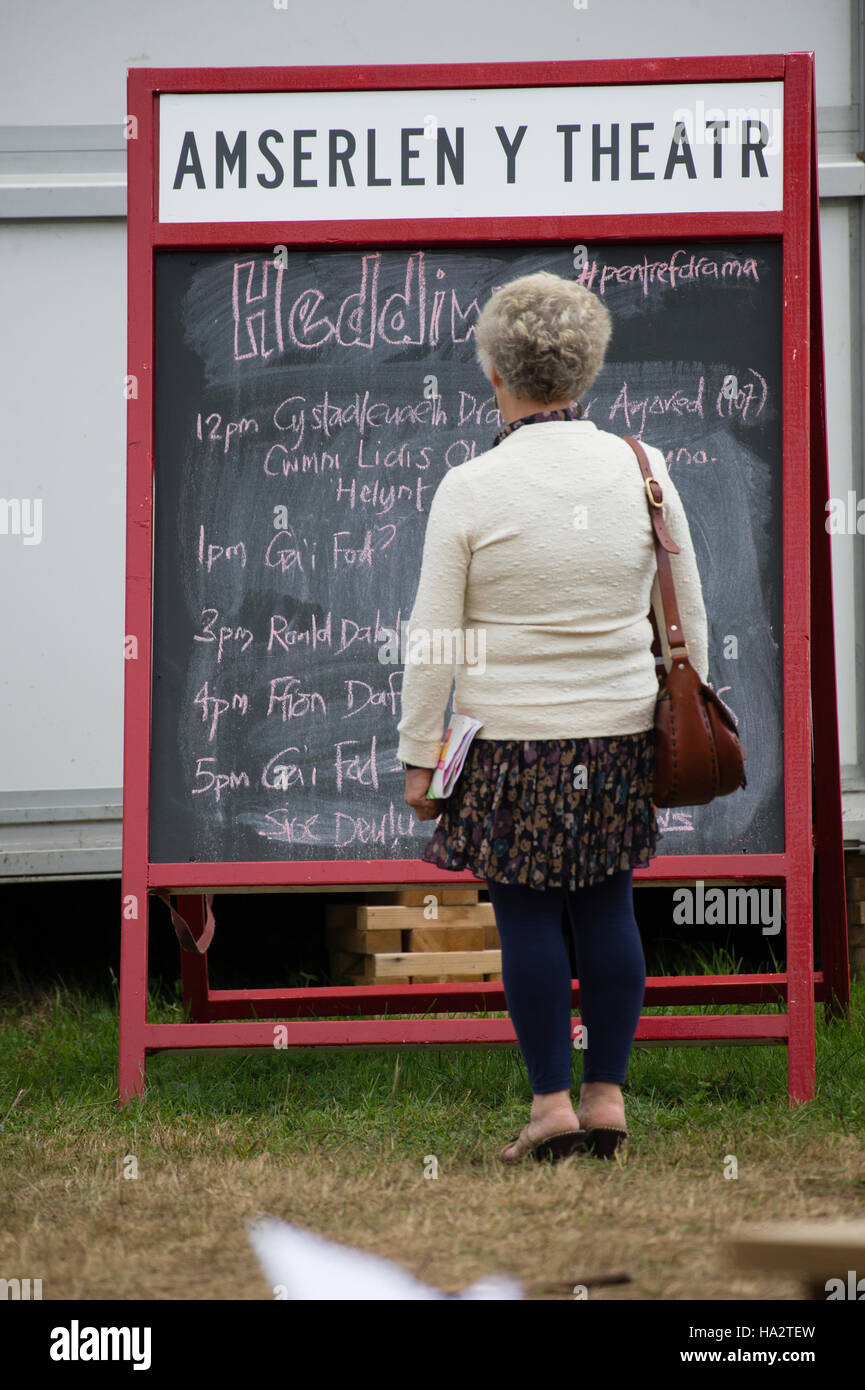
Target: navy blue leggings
(536, 976)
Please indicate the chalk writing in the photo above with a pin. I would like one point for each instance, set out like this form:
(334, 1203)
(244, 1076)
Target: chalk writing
(307, 410)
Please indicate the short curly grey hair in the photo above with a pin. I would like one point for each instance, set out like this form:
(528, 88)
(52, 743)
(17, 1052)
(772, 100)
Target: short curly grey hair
(545, 335)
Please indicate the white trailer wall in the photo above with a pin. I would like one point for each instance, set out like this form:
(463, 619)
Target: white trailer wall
(63, 348)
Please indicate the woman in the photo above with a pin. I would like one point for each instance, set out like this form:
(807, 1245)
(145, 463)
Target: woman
(541, 552)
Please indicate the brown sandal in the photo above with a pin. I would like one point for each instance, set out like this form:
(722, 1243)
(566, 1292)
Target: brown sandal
(603, 1140)
(552, 1147)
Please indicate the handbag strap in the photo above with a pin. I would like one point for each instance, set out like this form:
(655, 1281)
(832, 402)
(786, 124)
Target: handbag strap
(663, 542)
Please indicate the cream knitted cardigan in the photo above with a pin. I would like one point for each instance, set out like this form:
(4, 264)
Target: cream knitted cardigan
(538, 558)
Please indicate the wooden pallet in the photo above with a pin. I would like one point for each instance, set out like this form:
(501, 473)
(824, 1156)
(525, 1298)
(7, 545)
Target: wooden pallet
(402, 942)
(419, 897)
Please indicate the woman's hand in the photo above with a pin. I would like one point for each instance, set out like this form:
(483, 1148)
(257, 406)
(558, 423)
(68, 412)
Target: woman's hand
(417, 779)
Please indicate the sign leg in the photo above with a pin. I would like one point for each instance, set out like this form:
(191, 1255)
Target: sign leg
(800, 987)
(193, 967)
(133, 991)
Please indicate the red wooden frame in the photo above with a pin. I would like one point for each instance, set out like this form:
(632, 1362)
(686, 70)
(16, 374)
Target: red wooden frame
(232, 1018)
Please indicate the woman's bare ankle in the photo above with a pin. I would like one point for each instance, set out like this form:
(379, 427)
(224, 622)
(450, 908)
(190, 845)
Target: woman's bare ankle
(601, 1104)
(557, 1104)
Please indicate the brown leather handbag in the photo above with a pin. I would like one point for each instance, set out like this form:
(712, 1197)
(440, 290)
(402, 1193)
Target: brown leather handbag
(698, 755)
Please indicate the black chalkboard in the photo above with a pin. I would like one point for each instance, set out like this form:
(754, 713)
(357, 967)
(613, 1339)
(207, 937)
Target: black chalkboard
(301, 386)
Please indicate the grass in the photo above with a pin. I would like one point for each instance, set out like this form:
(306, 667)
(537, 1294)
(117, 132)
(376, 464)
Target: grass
(341, 1143)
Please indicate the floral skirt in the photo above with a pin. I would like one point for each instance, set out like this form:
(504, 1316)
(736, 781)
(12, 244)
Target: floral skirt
(550, 813)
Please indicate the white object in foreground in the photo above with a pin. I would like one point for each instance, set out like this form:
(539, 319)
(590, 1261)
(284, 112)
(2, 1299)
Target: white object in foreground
(301, 1264)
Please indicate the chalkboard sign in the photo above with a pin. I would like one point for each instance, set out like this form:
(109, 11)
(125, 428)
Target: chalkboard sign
(297, 448)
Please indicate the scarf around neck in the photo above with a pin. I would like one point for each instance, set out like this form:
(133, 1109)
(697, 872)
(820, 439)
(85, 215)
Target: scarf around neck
(570, 412)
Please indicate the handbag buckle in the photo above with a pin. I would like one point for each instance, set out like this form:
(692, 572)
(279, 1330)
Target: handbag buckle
(655, 501)
(682, 648)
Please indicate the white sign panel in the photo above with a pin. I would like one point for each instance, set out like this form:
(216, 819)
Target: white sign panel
(471, 152)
